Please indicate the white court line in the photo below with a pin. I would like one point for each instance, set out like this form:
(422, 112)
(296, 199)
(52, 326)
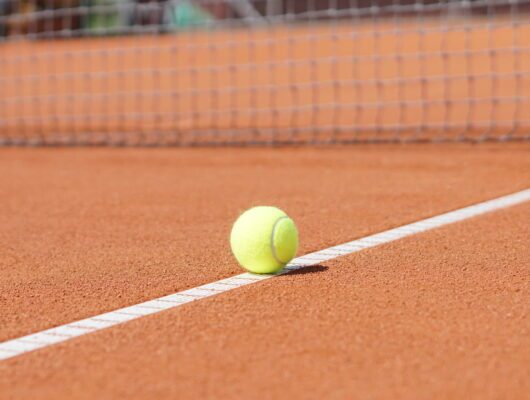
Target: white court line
(48, 337)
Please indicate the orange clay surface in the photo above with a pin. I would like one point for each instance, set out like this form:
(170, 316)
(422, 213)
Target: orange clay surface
(438, 315)
(342, 81)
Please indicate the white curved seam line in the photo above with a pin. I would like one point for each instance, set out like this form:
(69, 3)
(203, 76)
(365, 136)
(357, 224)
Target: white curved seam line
(273, 248)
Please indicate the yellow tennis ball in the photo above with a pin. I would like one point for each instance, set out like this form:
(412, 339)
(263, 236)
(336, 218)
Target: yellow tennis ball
(264, 239)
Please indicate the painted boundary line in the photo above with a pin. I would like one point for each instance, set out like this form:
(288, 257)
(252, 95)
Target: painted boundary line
(48, 337)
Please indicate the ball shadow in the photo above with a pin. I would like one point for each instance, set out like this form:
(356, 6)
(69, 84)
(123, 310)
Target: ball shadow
(312, 269)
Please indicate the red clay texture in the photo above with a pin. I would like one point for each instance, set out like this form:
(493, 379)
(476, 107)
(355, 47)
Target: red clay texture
(83, 231)
(440, 315)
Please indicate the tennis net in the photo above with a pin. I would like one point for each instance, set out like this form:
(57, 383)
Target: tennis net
(207, 72)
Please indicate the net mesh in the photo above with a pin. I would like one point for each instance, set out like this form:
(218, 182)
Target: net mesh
(123, 72)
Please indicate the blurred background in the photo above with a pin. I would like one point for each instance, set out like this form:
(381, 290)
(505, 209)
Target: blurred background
(208, 72)
(51, 18)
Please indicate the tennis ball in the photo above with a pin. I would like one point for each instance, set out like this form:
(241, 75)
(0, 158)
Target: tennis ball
(264, 239)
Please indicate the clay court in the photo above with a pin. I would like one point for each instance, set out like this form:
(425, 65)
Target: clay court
(399, 146)
(439, 314)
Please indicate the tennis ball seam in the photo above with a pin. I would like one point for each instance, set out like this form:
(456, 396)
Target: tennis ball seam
(273, 247)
